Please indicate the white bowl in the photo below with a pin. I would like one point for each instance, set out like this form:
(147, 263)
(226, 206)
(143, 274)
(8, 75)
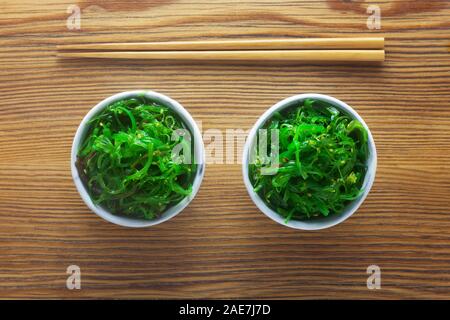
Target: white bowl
(199, 157)
(324, 222)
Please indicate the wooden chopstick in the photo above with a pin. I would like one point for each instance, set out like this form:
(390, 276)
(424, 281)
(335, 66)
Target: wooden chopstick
(269, 44)
(249, 55)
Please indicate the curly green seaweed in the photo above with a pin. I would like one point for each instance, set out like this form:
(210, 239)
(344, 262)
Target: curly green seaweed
(322, 162)
(126, 162)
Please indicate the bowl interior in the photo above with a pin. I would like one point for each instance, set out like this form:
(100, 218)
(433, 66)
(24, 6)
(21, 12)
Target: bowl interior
(321, 222)
(198, 158)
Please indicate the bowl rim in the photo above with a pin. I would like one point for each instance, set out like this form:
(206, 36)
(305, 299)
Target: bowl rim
(315, 224)
(199, 157)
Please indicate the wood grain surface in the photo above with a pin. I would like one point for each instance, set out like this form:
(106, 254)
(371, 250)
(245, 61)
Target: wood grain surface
(221, 246)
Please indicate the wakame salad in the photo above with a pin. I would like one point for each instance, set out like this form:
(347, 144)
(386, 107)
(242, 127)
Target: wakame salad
(321, 161)
(125, 160)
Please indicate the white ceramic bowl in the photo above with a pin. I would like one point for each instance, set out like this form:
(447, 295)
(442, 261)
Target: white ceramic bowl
(324, 222)
(199, 155)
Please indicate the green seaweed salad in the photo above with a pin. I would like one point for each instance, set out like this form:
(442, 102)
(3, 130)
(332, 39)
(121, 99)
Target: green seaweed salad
(322, 161)
(125, 160)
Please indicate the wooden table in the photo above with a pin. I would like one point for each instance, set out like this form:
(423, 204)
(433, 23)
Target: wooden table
(221, 246)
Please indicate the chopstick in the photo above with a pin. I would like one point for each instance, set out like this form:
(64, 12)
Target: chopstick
(269, 44)
(234, 55)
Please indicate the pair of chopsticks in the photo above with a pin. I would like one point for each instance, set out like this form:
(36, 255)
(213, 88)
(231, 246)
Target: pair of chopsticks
(306, 49)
